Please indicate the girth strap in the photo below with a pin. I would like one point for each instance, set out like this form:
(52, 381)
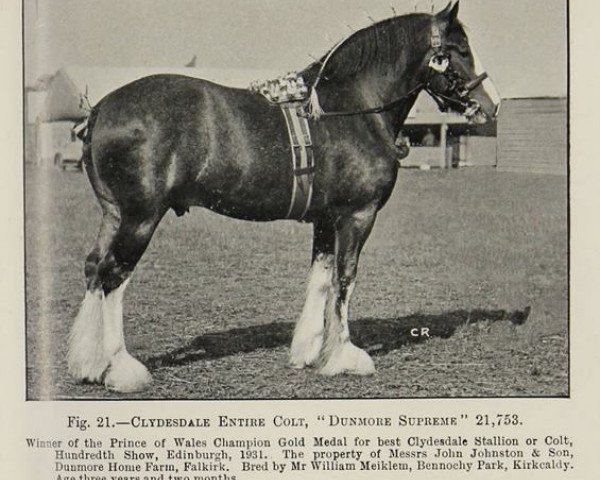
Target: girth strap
(303, 165)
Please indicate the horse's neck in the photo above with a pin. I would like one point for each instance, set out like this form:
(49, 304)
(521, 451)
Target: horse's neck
(375, 89)
(397, 116)
(392, 121)
(390, 79)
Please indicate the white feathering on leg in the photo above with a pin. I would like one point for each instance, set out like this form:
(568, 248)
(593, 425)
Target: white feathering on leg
(340, 355)
(86, 356)
(308, 334)
(125, 374)
(112, 310)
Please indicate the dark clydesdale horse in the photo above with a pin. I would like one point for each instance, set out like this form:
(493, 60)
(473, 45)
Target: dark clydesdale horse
(171, 142)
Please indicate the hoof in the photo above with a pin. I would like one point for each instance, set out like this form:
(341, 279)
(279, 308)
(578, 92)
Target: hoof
(348, 358)
(306, 352)
(126, 374)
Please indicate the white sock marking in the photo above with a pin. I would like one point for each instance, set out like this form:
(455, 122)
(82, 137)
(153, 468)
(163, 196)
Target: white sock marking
(125, 374)
(86, 357)
(112, 313)
(344, 312)
(309, 329)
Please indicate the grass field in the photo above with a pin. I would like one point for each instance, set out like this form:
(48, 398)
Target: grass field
(212, 304)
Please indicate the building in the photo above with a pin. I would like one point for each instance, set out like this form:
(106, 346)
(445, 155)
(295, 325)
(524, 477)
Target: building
(532, 135)
(457, 143)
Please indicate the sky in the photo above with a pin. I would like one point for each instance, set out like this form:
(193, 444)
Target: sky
(522, 43)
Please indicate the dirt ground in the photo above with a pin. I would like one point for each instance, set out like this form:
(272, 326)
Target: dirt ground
(212, 304)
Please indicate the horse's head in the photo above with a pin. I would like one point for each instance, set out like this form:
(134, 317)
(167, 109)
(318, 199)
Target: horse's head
(455, 78)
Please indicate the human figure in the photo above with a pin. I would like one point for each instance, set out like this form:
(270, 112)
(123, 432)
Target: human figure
(429, 139)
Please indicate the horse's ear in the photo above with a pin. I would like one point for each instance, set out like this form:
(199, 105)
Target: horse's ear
(450, 13)
(454, 11)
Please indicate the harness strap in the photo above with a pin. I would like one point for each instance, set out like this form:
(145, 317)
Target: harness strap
(368, 111)
(436, 37)
(303, 164)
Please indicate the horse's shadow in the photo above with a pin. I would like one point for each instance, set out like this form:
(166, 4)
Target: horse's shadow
(377, 336)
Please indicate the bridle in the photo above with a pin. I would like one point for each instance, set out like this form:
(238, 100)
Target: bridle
(443, 83)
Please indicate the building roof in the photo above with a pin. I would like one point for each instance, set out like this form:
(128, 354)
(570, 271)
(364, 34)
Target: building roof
(426, 112)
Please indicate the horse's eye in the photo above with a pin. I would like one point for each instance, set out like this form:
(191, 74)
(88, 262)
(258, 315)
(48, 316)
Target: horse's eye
(463, 50)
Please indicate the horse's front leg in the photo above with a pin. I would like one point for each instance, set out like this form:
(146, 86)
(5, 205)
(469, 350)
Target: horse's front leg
(308, 334)
(339, 355)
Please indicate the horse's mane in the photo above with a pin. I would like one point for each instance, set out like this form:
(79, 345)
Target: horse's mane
(374, 46)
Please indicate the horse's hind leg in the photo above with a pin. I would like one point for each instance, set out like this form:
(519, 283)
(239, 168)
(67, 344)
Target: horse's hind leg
(125, 373)
(99, 324)
(308, 334)
(86, 356)
(339, 355)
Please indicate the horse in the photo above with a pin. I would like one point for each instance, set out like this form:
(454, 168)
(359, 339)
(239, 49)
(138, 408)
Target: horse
(170, 142)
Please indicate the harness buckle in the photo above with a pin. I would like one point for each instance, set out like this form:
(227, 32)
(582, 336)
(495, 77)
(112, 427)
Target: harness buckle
(436, 37)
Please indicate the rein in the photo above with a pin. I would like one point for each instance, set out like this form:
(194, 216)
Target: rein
(369, 111)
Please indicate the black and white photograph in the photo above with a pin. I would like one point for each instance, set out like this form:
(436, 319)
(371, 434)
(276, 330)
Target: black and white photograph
(274, 200)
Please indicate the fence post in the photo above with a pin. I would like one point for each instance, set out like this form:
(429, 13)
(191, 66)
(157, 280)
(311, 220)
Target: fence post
(443, 144)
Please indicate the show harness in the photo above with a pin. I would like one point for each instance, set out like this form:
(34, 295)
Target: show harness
(289, 93)
(303, 163)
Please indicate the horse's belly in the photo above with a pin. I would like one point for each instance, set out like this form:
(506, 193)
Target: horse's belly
(249, 200)
(251, 209)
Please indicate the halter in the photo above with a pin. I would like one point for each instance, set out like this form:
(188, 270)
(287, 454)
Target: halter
(440, 70)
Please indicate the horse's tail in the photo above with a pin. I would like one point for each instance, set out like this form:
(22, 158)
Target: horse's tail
(84, 131)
